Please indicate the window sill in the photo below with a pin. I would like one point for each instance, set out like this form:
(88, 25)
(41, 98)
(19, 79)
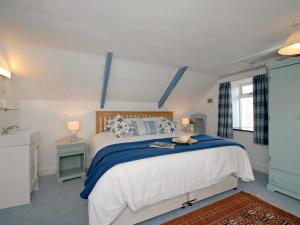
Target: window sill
(237, 129)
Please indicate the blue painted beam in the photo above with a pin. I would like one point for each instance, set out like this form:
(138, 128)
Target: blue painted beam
(106, 73)
(172, 85)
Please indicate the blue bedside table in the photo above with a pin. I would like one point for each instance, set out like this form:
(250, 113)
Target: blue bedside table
(70, 159)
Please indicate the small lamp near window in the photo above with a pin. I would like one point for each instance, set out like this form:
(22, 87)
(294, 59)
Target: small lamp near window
(185, 121)
(73, 127)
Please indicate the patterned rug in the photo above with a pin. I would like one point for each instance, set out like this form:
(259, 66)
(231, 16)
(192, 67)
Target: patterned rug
(239, 209)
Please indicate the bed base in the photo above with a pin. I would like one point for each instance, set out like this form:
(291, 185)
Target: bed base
(129, 217)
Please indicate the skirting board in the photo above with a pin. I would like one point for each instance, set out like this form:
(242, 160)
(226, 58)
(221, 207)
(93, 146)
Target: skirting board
(47, 171)
(51, 171)
(260, 167)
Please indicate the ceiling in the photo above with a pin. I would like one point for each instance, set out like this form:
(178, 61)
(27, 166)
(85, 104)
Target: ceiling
(44, 73)
(206, 35)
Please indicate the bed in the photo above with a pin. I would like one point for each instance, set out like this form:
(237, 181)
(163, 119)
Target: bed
(135, 191)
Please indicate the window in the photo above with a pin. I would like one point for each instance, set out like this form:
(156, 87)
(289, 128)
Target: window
(242, 105)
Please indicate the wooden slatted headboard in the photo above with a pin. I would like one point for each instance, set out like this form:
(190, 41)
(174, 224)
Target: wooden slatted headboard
(103, 116)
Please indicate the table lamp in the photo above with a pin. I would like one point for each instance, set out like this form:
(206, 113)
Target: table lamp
(73, 127)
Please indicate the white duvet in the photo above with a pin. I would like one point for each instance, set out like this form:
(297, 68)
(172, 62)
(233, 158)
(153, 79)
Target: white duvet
(140, 183)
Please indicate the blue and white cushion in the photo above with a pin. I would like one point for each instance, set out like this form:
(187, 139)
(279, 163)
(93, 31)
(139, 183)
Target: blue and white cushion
(118, 127)
(151, 127)
(166, 126)
(144, 127)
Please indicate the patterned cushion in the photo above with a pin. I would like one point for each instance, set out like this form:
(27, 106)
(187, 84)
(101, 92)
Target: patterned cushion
(144, 127)
(166, 126)
(118, 127)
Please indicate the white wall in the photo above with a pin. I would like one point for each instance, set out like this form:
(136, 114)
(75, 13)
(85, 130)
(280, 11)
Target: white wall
(49, 119)
(10, 117)
(258, 153)
(54, 86)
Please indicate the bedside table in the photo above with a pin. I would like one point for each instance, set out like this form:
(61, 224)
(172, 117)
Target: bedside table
(70, 159)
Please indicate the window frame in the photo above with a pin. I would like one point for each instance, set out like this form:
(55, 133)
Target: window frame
(241, 96)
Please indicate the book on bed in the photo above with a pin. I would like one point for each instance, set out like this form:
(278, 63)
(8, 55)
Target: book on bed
(158, 144)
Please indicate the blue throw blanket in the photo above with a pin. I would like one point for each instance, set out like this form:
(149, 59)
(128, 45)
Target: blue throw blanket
(112, 155)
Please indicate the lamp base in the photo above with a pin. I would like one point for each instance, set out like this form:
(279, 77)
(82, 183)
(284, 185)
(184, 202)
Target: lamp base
(73, 137)
(184, 128)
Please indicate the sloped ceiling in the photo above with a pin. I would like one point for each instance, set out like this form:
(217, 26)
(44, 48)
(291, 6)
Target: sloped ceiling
(203, 34)
(66, 41)
(44, 73)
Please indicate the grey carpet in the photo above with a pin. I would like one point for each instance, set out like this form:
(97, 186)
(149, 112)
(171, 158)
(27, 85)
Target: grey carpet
(60, 204)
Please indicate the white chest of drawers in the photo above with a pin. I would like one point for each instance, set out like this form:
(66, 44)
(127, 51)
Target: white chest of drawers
(18, 168)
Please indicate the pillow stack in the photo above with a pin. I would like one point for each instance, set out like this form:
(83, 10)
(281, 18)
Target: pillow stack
(121, 127)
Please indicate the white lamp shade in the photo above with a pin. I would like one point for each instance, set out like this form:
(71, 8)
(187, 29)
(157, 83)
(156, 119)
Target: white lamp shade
(5, 73)
(73, 126)
(185, 121)
(292, 45)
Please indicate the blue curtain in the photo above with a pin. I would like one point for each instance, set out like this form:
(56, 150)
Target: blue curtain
(225, 111)
(260, 108)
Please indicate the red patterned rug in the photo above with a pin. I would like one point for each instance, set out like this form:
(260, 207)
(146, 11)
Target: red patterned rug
(239, 209)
